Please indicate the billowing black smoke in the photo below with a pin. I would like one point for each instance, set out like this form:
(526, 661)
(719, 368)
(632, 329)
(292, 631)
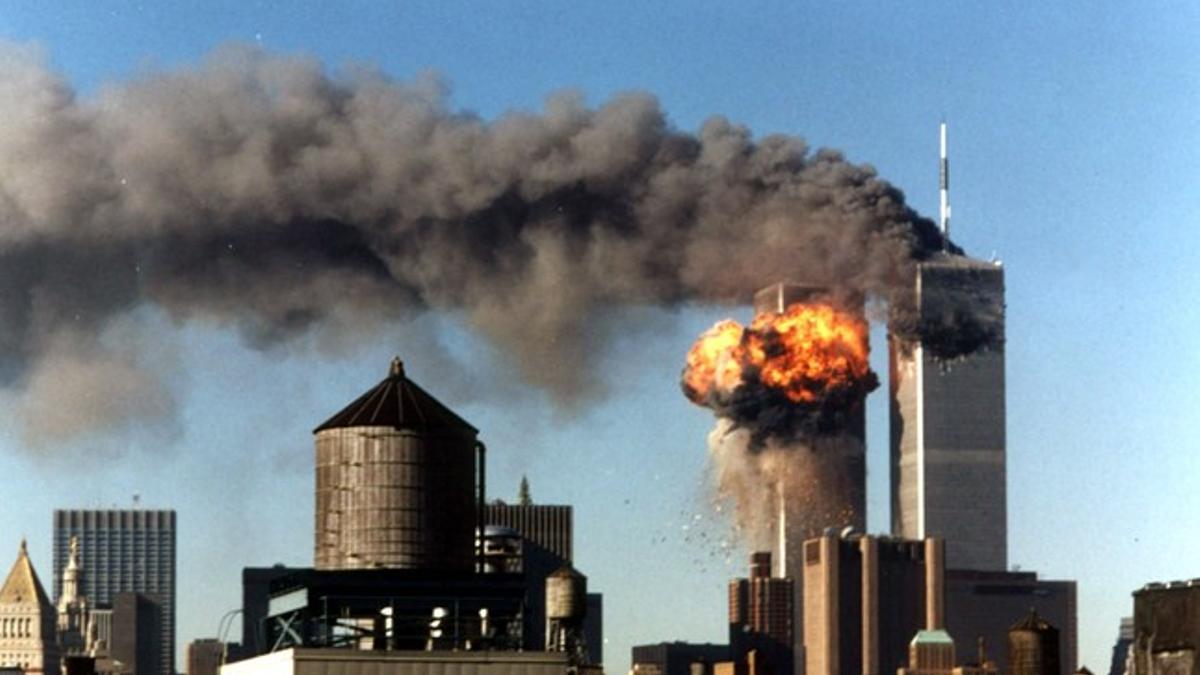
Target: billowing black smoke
(258, 192)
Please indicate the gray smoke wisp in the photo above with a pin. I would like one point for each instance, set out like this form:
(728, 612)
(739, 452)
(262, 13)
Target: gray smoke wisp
(262, 193)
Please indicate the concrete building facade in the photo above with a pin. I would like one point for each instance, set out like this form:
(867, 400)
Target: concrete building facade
(124, 551)
(948, 420)
(865, 598)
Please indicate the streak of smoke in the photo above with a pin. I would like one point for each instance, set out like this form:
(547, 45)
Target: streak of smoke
(258, 192)
(810, 475)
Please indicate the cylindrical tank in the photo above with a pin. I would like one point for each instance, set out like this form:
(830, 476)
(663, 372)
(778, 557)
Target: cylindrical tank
(566, 595)
(395, 482)
(1033, 647)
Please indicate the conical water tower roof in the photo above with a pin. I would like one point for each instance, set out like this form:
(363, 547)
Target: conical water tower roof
(1032, 622)
(399, 403)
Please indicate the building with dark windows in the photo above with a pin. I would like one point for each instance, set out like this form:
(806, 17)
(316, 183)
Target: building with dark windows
(948, 419)
(986, 604)
(124, 551)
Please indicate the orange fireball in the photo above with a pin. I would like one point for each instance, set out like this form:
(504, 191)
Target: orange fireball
(811, 353)
(710, 362)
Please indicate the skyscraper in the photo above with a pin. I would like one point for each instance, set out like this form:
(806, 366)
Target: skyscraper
(124, 551)
(948, 421)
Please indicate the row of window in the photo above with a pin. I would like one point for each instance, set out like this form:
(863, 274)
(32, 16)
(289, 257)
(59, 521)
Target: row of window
(16, 627)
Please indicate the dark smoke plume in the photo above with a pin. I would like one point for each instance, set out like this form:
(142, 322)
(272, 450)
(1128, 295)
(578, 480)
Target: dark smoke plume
(261, 193)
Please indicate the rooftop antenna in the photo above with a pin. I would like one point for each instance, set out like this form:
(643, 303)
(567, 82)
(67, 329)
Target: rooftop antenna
(944, 187)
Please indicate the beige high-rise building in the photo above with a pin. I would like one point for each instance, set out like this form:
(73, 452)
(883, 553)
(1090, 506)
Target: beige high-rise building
(864, 599)
(27, 621)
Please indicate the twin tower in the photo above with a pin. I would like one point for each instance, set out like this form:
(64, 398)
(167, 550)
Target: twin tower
(947, 420)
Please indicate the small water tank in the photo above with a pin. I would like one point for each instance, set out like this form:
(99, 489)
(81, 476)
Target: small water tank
(1033, 647)
(566, 595)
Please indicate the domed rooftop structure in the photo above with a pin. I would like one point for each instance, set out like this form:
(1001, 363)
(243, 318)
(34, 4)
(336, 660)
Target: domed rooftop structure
(399, 403)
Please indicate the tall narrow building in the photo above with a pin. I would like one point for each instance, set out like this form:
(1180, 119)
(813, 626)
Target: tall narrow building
(761, 617)
(27, 621)
(948, 420)
(124, 551)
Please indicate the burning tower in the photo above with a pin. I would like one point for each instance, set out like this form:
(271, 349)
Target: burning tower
(839, 499)
(947, 419)
(947, 406)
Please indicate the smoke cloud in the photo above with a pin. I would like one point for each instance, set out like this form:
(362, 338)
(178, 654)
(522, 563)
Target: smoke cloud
(262, 193)
(807, 479)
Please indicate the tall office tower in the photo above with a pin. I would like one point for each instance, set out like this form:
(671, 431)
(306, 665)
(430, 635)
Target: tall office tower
(983, 605)
(27, 621)
(761, 617)
(947, 420)
(124, 551)
(865, 598)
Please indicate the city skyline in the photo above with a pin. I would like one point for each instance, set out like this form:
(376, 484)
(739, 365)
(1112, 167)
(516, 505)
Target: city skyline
(1048, 171)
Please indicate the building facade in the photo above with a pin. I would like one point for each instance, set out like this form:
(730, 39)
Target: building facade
(124, 551)
(1166, 629)
(948, 418)
(204, 657)
(677, 658)
(27, 621)
(864, 600)
(762, 617)
(984, 605)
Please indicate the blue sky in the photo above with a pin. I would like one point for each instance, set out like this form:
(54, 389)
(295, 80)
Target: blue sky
(1075, 152)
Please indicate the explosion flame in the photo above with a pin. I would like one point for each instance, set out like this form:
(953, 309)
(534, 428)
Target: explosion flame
(795, 373)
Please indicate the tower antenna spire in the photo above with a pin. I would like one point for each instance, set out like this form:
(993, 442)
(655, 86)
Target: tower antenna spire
(944, 186)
